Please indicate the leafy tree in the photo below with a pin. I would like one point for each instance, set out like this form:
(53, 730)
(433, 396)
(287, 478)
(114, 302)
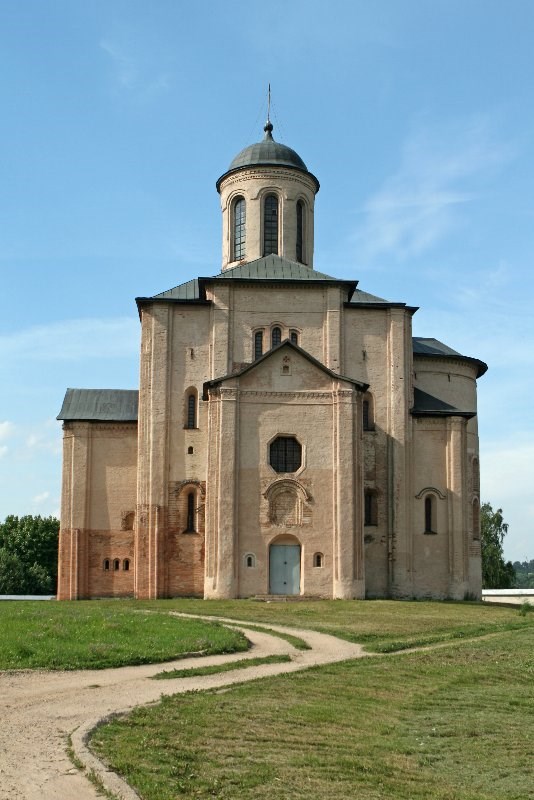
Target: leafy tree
(496, 573)
(28, 555)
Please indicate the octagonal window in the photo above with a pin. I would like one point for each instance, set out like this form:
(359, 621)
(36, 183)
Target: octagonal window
(285, 454)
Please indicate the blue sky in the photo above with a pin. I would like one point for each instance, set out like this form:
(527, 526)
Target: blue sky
(118, 117)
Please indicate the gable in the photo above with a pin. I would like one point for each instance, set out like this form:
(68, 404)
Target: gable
(287, 365)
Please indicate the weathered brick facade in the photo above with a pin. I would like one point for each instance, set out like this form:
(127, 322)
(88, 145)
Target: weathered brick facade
(288, 435)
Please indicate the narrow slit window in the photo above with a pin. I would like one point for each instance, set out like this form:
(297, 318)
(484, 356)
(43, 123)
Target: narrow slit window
(300, 232)
(294, 337)
(191, 411)
(116, 565)
(276, 336)
(191, 512)
(106, 565)
(258, 345)
(270, 225)
(429, 513)
(126, 565)
(239, 231)
(370, 509)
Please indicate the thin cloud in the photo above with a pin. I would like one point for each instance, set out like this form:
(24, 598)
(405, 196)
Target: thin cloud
(73, 339)
(131, 75)
(440, 171)
(6, 429)
(4, 449)
(125, 69)
(41, 498)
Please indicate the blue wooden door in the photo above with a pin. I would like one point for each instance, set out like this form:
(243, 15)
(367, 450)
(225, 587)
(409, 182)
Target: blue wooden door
(284, 569)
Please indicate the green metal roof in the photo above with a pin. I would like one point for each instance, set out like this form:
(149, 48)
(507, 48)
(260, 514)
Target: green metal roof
(426, 405)
(100, 405)
(273, 267)
(267, 153)
(433, 348)
(268, 268)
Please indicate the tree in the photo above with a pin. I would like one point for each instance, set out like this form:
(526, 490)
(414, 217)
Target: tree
(28, 555)
(496, 573)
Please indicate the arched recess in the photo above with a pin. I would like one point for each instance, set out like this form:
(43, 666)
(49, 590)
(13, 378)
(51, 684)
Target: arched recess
(288, 504)
(368, 412)
(187, 507)
(430, 495)
(284, 565)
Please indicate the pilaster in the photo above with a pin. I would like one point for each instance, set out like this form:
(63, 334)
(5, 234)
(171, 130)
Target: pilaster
(152, 485)
(222, 504)
(457, 507)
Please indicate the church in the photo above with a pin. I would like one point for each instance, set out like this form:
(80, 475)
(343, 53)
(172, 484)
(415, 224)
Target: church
(289, 437)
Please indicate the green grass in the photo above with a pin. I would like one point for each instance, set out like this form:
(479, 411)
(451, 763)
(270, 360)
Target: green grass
(98, 634)
(214, 669)
(452, 723)
(380, 625)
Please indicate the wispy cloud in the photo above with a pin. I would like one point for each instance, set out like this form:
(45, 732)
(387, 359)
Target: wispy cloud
(131, 72)
(73, 339)
(4, 449)
(441, 170)
(6, 429)
(41, 498)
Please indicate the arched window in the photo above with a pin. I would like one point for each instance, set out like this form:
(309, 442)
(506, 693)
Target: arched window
(128, 522)
(294, 337)
(430, 513)
(116, 564)
(285, 454)
(276, 336)
(126, 565)
(370, 508)
(191, 512)
(258, 345)
(191, 411)
(250, 560)
(318, 559)
(300, 231)
(270, 225)
(239, 232)
(106, 565)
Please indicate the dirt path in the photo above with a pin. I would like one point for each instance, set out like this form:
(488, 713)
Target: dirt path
(39, 710)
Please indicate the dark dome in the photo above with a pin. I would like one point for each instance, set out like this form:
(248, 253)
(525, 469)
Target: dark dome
(267, 152)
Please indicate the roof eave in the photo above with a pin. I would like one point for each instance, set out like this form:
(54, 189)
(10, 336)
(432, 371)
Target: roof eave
(265, 164)
(481, 366)
(442, 413)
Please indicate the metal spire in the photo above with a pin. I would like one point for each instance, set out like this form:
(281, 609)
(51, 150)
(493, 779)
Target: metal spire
(268, 125)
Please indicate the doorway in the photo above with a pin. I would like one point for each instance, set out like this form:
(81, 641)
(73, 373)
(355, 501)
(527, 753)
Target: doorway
(284, 569)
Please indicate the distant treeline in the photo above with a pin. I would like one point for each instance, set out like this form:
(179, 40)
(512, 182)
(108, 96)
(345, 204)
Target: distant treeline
(524, 574)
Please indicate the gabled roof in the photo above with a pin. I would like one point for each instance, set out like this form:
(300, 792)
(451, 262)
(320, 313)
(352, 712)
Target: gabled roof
(359, 385)
(102, 405)
(433, 348)
(426, 405)
(271, 268)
